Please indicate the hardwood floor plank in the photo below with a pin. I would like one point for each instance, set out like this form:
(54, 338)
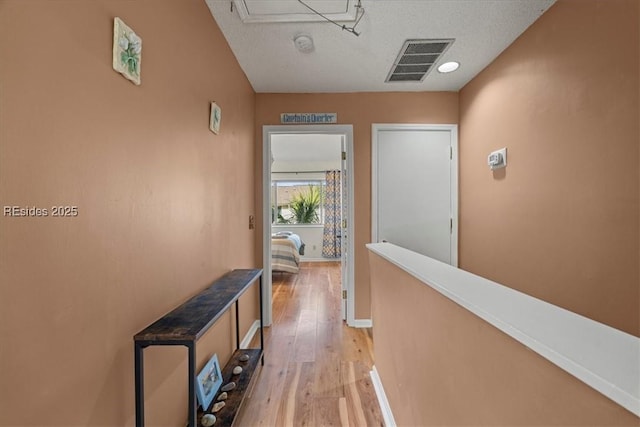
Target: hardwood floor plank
(366, 403)
(296, 408)
(330, 337)
(344, 412)
(326, 412)
(282, 315)
(354, 404)
(316, 369)
(328, 377)
(305, 345)
(262, 406)
(328, 382)
(304, 348)
(329, 300)
(357, 345)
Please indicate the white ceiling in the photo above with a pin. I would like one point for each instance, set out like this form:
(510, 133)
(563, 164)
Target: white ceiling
(342, 62)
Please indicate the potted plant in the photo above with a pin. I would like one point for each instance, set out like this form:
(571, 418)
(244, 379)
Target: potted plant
(305, 206)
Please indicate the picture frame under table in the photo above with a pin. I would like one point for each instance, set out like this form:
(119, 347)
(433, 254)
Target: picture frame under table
(209, 381)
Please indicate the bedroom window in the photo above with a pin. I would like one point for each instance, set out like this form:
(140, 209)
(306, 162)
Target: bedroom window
(298, 202)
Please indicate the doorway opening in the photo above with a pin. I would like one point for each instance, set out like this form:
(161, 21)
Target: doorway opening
(308, 204)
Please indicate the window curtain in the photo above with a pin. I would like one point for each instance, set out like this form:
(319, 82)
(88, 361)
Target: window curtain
(332, 216)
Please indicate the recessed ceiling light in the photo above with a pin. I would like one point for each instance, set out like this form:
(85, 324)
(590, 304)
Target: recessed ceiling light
(448, 67)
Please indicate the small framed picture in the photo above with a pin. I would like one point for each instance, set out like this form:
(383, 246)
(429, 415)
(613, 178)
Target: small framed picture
(208, 382)
(127, 51)
(214, 119)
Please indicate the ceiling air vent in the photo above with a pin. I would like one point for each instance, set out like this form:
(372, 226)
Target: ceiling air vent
(416, 58)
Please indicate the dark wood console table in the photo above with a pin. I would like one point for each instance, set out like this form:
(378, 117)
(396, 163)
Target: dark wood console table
(186, 324)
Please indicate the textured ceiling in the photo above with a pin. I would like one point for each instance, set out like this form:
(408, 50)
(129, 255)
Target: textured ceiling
(342, 62)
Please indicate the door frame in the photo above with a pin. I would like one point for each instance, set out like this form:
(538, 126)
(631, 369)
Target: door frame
(377, 127)
(267, 132)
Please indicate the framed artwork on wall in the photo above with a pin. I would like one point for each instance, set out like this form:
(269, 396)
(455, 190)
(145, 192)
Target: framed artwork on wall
(127, 51)
(215, 118)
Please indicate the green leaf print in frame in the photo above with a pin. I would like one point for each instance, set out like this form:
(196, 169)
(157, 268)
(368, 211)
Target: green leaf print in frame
(127, 51)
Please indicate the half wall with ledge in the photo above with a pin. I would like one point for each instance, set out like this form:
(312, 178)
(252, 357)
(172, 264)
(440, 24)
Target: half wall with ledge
(453, 348)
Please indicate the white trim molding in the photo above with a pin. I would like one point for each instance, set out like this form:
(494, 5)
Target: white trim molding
(246, 341)
(267, 132)
(362, 323)
(385, 408)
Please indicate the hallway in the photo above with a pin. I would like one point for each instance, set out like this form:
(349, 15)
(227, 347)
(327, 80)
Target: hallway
(316, 370)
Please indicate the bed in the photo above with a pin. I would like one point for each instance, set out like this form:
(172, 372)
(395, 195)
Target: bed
(286, 248)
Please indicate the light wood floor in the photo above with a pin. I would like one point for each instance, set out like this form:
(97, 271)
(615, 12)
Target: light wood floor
(316, 370)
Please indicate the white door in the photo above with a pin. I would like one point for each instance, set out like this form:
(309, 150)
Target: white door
(415, 188)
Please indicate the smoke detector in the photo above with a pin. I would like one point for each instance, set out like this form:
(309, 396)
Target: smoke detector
(304, 43)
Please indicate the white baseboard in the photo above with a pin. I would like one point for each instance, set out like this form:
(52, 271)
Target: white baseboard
(387, 415)
(303, 259)
(362, 323)
(255, 326)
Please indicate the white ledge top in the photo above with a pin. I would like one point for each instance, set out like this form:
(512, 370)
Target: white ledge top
(603, 357)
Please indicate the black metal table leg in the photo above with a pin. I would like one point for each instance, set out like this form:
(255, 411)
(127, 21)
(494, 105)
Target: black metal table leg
(237, 326)
(139, 370)
(193, 405)
(261, 323)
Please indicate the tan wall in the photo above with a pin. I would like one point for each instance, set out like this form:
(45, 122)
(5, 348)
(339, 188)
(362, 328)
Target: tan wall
(561, 221)
(361, 110)
(163, 203)
(443, 366)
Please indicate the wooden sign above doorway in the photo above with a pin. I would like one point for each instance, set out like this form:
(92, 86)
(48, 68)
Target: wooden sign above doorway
(308, 118)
